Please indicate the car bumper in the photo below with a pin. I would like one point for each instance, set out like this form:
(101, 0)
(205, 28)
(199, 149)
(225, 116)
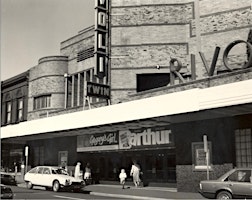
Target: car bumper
(74, 186)
(207, 194)
(6, 194)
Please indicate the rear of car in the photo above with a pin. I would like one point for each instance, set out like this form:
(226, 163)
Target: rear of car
(6, 192)
(237, 183)
(208, 189)
(8, 179)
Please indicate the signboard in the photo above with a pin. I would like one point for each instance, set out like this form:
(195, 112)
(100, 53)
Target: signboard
(100, 51)
(199, 155)
(98, 90)
(97, 142)
(126, 139)
(146, 138)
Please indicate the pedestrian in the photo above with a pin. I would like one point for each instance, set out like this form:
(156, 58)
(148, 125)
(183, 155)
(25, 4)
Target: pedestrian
(77, 173)
(122, 177)
(135, 173)
(87, 174)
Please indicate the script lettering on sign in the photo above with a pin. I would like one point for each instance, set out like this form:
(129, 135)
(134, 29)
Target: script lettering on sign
(97, 142)
(104, 139)
(100, 52)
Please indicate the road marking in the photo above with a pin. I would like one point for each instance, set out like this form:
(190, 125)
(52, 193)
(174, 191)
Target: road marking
(124, 196)
(65, 197)
(143, 188)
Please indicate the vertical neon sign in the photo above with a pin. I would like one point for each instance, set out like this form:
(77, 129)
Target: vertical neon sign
(100, 51)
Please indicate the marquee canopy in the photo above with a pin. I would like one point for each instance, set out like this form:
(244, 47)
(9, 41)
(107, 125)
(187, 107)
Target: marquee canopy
(192, 100)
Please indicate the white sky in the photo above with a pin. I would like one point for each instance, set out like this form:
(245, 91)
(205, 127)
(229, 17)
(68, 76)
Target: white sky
(32, 29)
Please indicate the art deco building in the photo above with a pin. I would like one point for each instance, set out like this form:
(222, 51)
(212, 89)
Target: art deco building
(147, 82)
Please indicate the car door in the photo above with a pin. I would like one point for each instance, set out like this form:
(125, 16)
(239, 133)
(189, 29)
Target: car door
(36, 177)
(46, 177)
(239, 183)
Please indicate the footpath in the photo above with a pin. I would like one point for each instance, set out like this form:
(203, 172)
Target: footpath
(132, 192)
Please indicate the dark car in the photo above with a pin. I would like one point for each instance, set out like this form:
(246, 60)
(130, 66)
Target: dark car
(6, 192)
(8, 179)
(237, 183)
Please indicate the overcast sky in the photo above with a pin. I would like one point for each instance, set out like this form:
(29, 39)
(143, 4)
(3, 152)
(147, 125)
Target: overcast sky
(32, 29)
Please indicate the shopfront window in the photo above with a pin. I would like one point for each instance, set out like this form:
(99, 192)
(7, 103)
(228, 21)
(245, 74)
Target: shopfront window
(160, 165)
(63, 158)
(39, 155)
(243, 147)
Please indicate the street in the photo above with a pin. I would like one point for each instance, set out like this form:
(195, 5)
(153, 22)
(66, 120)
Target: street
(41, 193)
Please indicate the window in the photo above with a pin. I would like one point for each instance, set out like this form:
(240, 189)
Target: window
(20, 109)
(85, 54)
(46, 170)
(76, 86)
(240, 176)
(8, 112)
(243, 147)
(151, 81)
(40, 170)
(42, 102)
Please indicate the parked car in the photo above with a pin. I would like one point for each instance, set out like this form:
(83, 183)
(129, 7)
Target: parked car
(6, 192)
(8, 179)
(54, 178)
(236, 183)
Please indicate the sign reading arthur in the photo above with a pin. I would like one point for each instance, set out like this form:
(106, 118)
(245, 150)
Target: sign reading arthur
(145, 138)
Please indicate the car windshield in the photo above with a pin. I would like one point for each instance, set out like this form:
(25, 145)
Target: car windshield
(224, 176)
(59, 171)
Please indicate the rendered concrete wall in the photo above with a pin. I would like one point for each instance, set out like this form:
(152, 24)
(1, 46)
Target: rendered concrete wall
(47, 78)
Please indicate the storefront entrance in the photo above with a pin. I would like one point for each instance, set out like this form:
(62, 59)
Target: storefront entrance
(156, 165)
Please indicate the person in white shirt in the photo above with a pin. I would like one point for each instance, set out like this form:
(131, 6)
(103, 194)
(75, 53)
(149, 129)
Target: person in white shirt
(135, 173)
(77, 173)
(122, 177)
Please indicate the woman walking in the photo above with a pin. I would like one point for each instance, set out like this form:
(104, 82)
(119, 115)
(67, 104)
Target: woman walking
(135, 173)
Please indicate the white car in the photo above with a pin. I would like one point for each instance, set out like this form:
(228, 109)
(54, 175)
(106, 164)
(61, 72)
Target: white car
(52, 177)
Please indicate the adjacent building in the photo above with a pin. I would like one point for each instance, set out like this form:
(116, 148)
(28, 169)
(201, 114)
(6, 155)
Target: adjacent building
(147, 82)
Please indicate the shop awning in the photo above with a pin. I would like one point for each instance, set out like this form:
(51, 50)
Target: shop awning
(164, 105)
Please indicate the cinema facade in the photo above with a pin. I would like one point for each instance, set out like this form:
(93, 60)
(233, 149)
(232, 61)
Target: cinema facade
(117, 94)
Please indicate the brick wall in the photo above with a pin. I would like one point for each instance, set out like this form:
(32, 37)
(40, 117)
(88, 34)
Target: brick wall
(147, 33)
(83, 40)
(188, 179)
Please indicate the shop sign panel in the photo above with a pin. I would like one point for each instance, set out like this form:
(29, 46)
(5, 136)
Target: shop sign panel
(145, 138)
(98, 90)
(126, 139)
(97, 142)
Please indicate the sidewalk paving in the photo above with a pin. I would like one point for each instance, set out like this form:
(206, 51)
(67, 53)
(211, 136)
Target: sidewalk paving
(132, 192)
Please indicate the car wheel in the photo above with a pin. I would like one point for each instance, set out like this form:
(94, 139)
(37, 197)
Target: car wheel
(29, 185)
(56, 186)
(224, 195)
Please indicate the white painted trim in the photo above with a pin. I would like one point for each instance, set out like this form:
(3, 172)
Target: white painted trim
(170, 104)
